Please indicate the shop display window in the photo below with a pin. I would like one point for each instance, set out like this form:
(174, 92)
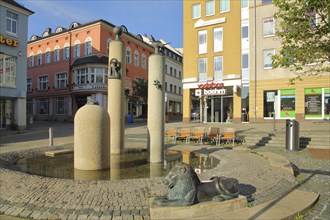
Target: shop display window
(288, 103)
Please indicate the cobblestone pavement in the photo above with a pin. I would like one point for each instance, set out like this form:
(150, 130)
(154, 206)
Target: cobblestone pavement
(38, 197)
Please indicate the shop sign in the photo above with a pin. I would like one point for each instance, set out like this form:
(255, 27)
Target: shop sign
(313, 91)
(210, 85)
(210, 92)
(8, 41)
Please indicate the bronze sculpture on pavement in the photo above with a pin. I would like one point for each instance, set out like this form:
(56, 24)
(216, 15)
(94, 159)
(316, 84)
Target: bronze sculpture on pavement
(185, 188)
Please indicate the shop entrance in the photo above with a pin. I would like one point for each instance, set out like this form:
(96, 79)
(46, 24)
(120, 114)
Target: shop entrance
(218, 109)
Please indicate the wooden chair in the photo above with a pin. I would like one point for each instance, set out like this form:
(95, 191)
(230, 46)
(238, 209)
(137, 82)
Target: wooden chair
(212, 135)
(171, 135)
(184, 135)
(198, 134)
(228, 136)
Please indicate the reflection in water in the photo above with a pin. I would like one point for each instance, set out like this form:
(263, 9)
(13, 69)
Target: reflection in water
(130, 165)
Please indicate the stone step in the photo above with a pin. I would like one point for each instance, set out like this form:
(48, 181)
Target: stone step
(58, 152)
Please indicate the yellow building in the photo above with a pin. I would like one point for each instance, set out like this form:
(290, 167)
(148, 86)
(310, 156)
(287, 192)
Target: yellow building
(271, 93)
(226, 47)
(212, 60)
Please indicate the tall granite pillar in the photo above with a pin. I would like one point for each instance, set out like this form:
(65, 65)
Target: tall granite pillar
(156, 100)
(116, 110)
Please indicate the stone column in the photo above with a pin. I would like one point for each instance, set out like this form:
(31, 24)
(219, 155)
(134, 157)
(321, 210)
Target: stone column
(156, 106)
(117, 73)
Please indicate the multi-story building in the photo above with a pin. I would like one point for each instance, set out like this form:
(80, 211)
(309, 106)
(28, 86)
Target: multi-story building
(228, 74)
(212, 63)
(13, 42)
(70, 64)
(173, 79)
(270, 92)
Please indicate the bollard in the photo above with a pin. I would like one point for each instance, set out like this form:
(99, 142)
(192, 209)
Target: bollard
(50, 137)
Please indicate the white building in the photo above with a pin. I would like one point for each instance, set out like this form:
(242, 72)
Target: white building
(13, 42)
(173, 79)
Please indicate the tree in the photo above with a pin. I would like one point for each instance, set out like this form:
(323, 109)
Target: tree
(140, 89)
(304, 30)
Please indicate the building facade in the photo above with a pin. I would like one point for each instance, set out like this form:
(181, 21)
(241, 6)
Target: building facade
(212, 63)
(271, 94)
(70, 64)
(13, 42)
(228, 73)
(173, 79)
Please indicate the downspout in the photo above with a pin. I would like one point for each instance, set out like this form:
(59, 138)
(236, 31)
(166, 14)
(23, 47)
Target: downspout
(255, 61)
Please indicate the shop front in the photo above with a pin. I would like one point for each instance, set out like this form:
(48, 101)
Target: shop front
(213, 102)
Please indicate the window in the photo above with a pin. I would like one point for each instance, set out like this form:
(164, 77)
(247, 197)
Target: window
(76, 49)
(288, 103)
(202, 63)
(196, 11)
(209, 8)
(268, 27)
(82, 76)
(136, 58)
(245, 61)
(171, 87)
(43, 83)
(166, 69)
(88, 46)
(42, 106)
(57, 54)
(171, 71)
(244, 3)
(174, 89)
(180, 74)
(179, 92)
(61, 80)
(128, 55)
(39, 58)
(97, 75)
(7, 70)
(174, 73)
(47, 56)
(12, 19)
(166, 86)
(61, 106)
(144, 61)
(31, 60)
(224, 5)
(202, 42)
(245, 32)
(29, 107)
(29, 85)
(218, 76)
(268, 58)
(218, 43)
(66, 51)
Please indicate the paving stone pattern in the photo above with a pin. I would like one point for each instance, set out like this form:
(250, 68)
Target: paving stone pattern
(36, 197)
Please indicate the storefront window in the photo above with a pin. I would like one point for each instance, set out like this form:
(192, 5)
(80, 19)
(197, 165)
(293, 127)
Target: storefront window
(60, 106)
(270, 100)
(288, 103)
(327, 103)
(43, 106)
(245, 103)
(313, 103)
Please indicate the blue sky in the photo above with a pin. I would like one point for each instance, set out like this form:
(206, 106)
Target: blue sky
(160, 18)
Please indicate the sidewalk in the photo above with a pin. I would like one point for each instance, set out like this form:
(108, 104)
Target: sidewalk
(314, 175)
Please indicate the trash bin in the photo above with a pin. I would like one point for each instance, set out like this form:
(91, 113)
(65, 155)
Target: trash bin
(244, 116)
(292, 135)
(129, 118)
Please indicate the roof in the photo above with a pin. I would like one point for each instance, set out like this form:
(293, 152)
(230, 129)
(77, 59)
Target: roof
(91, 59)
(14, 3)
